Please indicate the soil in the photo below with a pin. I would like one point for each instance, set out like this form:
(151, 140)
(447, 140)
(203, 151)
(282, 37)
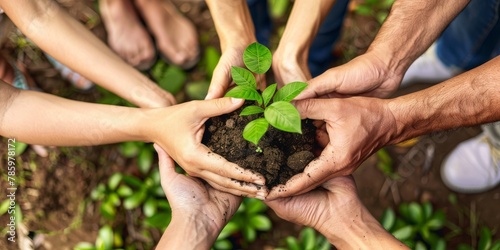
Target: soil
(283, 154)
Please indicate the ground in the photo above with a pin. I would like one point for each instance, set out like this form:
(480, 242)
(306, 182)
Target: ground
(55, 190)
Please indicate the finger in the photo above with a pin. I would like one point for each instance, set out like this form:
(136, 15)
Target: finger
(216, 107)
(237, 188)
(316, 109)
(219, 84)
(322, 137)
(212, 162)
(166, 166)
(319, 86)
(261, 81)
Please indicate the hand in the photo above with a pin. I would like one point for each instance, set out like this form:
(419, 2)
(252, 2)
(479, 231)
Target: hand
(354, 128)
(180, 134)
(290, 65)
(199, 212)
(221, 79)
(366, 75)
(336, 212)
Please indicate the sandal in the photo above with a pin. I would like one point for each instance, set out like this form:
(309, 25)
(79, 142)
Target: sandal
(77, 80)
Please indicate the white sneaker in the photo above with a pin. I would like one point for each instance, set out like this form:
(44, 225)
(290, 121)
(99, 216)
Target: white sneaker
(428, 68)
(472, 167)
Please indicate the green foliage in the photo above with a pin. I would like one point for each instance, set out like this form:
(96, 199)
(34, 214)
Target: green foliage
(143, 151)
(248, 219)
(379, 9)
(308, 240)
(417, 225)
(210, 60)
(385, 165)
(486, 241)
(197, 90)
(279, 113)
(106, 240)
(170, 78)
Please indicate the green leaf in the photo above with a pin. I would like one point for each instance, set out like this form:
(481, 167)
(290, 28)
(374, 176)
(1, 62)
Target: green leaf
(292, 243)
(197, 90)
(427, 210)
(289, 91)
(255, 129)
(437, 220)
(249, 233)
(245, 92)
(278, 8)
(149, 208)
(388, 219)
(159, 220)
(496, 246)
(20, 147)
(257, 58)
(420, 246)
(133, 181)
(464, 247)
(284, 116)
(260, 222)
(84, 246)
(114, 180)
(416, 213)
(363, 10)
(485, 239)
(243, 77)
(211, 58)
(254, 206)
(223, 245)
(440, 245)
(404, 211)
(105, 234)
(129, 149)
(308, 237)
(145, 160)
(4, 206)
(134, 200)
(268, 93)
(228, 230)
(172, 80)
(251, 110)
(114, 199)
(403, 233)
(124, 191)
(99, 192)
(108, 210)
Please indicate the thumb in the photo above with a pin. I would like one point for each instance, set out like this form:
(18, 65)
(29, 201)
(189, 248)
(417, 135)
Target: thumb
(216, 107)
(316, 109)
(318, 86)
(166, 166)
(218, 85)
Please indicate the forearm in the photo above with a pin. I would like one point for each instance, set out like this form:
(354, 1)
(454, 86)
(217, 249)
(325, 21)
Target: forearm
(69, 42)
(187, 233)
(39, 118)
(469, 99)
(303, 25)
(233, 22)
(359, 230)
(410, 29)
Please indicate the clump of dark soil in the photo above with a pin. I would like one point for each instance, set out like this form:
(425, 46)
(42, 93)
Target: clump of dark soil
(283, 154)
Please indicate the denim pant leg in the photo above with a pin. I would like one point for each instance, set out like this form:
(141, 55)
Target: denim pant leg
(473, 37)
(320, 53)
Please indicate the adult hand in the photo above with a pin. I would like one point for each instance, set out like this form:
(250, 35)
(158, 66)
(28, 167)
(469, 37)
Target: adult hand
(336, 212)
(354, 128)
(199, 212)
(366, 75)
(180, 134)
(290, 65)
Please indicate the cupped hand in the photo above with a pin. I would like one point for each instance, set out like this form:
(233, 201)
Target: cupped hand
(354, 128)
(189, 197)
(290, 66)
(180, 134)
(365, 75)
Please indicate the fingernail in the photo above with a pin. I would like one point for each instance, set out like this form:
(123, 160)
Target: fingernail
(260, 197)
(208, 96)
(260, 182)
(236, 100)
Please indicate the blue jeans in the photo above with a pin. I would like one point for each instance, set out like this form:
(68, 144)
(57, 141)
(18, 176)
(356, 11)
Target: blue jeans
(320, 53)
(473, 37)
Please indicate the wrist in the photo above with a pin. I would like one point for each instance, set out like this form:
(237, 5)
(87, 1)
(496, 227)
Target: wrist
(187, 232)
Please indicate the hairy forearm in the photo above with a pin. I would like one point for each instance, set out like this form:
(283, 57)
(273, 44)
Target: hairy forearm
(410, 29)
(39, 118)
(187, 233)
(469, 99)
(69, 42)
(233, 22)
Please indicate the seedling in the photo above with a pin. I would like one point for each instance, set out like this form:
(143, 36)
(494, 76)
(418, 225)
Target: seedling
(275, 105)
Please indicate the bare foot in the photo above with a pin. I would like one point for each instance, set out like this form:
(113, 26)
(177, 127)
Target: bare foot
(126, 35)
(175, 35)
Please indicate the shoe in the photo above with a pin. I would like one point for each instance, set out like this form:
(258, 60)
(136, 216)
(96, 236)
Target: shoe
(428, 68)
(473, 166)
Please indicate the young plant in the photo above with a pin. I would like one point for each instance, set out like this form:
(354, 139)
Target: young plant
(308, 240)
(275, 105)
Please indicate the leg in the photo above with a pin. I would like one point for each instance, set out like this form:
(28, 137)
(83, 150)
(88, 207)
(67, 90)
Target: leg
(126, 35)
(176, 36)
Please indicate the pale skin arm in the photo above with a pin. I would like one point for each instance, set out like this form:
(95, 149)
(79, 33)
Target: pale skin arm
(357, 127)
(235, 28)
(336, 212)
(409, 30)
(69, 42)
(290, 58)
(178, 129)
